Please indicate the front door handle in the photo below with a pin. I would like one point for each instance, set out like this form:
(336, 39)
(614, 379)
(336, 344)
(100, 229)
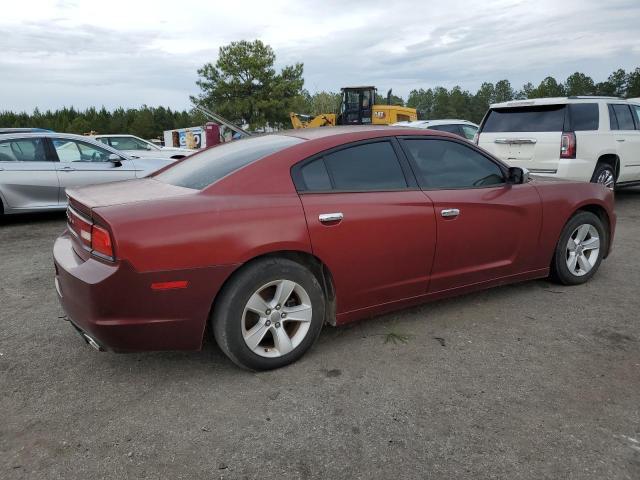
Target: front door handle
(619, 139)
(450, 212)
(330, 217)
(67, 169)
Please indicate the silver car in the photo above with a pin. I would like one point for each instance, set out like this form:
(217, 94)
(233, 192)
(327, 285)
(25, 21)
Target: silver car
(136, 147)
(36, 168)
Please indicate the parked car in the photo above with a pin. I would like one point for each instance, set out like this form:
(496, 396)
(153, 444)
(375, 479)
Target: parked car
(36, 168)
(263, 240)
(590, 139)
(463, 128)
(136, 147)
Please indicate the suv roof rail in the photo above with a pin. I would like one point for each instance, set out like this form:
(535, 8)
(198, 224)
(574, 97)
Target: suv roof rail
(594, 96)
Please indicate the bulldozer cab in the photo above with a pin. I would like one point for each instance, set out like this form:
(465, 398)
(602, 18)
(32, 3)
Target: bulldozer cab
(356, 107)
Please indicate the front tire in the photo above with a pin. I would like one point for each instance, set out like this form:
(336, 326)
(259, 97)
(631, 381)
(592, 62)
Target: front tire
(580, 249)
(269, 314)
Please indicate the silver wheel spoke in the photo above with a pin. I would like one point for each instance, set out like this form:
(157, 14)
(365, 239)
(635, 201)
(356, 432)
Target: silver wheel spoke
(571, 245)
(572, 261)
(283, 292)
(301, 313)
(254, 336)
(582, 233)
(282, 341)
(584, 263)
(257, 305)
(591, 244)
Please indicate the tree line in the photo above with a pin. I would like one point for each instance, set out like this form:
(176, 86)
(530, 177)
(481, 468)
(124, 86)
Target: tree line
(244, 86)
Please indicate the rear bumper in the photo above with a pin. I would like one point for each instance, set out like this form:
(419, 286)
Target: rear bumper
(116, 306)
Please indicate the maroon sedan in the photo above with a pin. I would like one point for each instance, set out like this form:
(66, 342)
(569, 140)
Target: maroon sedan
(264, 240)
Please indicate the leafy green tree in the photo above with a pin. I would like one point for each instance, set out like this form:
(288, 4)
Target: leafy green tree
(422, 100)
(503, 91)
(633, 84)
(579, 84)
(243, 85)
(549, 87)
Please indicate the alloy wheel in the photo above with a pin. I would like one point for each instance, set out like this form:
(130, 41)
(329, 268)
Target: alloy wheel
(583, 249)
(606, 178)
(276, 319)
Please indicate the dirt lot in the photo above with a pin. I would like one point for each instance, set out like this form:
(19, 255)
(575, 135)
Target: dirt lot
(527, 381)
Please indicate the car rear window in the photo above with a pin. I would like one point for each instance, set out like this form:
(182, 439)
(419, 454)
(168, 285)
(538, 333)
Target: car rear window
(546, 118)
(204, 168)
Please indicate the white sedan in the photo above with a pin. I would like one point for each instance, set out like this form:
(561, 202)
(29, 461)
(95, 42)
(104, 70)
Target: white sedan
(463, 128)
(139, 148)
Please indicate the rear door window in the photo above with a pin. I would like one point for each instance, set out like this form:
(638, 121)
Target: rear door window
(544, 118)
(368, 167)
(445, 164)
(469, 131)
(623, 117)
(583, 116)
(24, 150)
(636, 111)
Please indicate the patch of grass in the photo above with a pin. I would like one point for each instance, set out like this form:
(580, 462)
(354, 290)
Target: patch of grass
(396, 338)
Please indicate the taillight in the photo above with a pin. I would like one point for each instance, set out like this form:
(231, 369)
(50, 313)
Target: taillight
(93, 238)
(101, 242)
(568, 145)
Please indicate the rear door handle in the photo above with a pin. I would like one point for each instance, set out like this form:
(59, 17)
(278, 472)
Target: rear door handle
(330, 217)
(67, 169)
(619, 139)
(450, 212)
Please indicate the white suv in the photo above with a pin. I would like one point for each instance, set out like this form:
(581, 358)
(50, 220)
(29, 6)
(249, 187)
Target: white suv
(591, 139)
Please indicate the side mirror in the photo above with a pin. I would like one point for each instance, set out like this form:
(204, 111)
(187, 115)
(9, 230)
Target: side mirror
(518, 175)
(115, 159)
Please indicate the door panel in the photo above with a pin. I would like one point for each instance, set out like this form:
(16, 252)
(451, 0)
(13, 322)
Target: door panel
(627, 140)
(28, 176)
(86, 164)
(494, 235)
(381, 250)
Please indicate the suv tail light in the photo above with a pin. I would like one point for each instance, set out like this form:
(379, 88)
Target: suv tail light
(568, 145)
(94, 238)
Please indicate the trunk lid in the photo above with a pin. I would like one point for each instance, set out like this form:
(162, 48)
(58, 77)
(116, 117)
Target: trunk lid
(117, 193)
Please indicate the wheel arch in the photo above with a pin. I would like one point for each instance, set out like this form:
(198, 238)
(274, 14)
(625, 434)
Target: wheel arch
(601, 213)
(318, 268)
(610, 159)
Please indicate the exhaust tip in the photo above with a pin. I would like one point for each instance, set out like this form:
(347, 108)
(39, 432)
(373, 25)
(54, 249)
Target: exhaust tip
(92, 342)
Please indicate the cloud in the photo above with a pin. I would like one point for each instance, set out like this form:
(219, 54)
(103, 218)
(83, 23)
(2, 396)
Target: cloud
(128, 53)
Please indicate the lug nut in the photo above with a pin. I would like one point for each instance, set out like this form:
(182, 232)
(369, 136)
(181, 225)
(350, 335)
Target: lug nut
(283, 315)
(267, 323)
(277, 307)
(277, 324)
(268, 312)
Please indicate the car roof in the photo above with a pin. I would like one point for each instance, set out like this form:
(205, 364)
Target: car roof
(444, 121)
(9, 130)
(370, 131)
(101, 135)
(555, 101)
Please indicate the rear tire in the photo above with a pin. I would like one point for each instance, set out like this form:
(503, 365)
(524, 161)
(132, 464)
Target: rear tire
(580, 249)
(605, 174)
(268, 314)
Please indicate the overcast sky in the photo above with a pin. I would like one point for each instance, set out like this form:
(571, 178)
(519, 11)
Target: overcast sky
(129, 53)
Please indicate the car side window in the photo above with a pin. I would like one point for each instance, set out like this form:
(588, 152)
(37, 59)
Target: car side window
(23, 150)
(469, 131)
(623, 117)
(365, 167)
(75, 151)
(636, 111)
(128, 143)
(443, 164)
(453, 128)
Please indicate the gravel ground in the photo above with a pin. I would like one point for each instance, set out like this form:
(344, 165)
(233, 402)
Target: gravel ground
(531, 380)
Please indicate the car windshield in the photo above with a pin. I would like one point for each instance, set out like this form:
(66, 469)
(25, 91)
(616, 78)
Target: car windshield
(204, 168)
(548, 118)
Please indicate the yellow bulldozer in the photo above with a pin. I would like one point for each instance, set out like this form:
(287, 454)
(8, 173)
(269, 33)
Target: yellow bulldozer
(357, 107)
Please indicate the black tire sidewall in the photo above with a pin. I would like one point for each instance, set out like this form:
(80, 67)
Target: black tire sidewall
(560, 269)
(227, 314)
